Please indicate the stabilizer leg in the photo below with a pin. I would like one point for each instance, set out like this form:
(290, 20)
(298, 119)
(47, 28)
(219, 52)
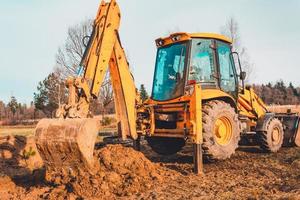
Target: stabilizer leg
(198, 159)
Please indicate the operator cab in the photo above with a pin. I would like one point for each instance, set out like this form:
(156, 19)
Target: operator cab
(185, 59)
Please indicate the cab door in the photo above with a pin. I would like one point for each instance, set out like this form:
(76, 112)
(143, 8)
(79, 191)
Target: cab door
(228, 78)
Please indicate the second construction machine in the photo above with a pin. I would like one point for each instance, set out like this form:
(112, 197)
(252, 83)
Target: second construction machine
(197, 95)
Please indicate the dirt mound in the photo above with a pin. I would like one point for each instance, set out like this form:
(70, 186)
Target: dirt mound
(19, 157)
(120, 171)
(10, 188)
(123, 173)
(6, 182)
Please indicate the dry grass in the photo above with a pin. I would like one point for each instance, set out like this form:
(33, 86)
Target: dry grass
(284, 108)
(29, 130)
(15, 130)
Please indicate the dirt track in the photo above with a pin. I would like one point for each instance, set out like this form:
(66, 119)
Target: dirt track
(126, 174)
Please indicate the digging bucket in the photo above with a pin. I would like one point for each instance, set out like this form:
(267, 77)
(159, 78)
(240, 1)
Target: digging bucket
(67, 144)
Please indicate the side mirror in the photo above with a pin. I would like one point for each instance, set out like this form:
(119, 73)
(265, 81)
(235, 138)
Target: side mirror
(243, 76)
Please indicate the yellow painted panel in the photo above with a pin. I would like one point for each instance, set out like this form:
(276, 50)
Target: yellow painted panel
(250, 103)
(124, 92)
(182, 36)
(214, 93)
(211, 35)
(196, 114)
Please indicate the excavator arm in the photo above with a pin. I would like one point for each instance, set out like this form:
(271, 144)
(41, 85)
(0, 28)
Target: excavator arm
(104, 51)
(68, 142)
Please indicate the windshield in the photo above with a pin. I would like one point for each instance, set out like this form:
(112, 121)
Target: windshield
(202, 67)
(169, 72)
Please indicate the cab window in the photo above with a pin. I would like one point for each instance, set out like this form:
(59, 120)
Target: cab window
(169, 72)
(202, 67)
(228, 80)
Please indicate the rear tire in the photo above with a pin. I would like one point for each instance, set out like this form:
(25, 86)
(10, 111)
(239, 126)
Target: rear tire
(221, 130)
(271, 140)
(165, 145)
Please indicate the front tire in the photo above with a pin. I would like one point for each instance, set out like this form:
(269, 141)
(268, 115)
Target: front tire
(221, 131)
(271, 140)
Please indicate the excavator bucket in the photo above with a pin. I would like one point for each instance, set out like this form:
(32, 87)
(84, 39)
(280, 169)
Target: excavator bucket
(67, 144)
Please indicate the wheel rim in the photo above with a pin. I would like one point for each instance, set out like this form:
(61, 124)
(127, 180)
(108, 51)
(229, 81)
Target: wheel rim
(223, 130)
(276, 136)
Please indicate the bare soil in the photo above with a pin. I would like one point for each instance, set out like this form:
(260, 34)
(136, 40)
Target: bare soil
(123, 173)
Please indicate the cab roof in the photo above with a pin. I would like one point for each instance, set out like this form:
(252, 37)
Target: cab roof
(182, 36)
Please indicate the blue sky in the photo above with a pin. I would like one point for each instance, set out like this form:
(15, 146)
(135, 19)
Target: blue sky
(32, 31)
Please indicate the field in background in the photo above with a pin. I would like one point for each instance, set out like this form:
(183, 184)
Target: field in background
(16, 130)
(22, 130)
(111, 128)
(284, 108)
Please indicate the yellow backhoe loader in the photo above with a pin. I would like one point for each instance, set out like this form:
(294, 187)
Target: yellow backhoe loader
(197, 94)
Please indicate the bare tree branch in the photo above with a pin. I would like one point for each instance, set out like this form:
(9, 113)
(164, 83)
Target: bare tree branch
(231, 30)
(69, 56)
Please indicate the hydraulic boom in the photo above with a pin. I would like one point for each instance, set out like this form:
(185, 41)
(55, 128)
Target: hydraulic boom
(70, 140)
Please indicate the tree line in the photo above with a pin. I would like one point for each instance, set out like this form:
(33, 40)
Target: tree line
(278, 93)
(18, 113)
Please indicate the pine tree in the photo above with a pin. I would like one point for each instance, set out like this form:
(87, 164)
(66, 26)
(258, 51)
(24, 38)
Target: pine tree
(295, 92)
(13, 105)
(143, 93)
(269, 85)
(50, 92)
